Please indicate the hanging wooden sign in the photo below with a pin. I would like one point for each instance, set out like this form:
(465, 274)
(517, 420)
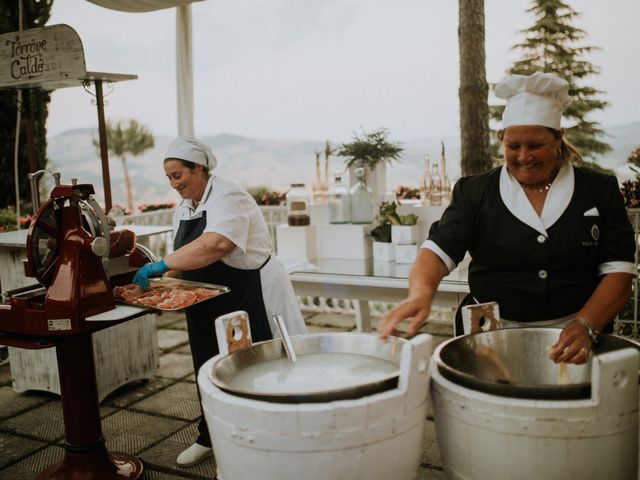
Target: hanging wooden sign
(46, 57)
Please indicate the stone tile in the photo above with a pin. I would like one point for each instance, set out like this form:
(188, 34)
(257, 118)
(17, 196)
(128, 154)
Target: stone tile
(44, 422)
(175, 320)
(13, 403)
(339, 321)
(13, 448)
(27, 468)
(163, 455)
(168, 339)
(134, 432)
(430, 474)
(431, 452)
(185, 349)
(135, 391)
(175, 365)
(177, 401)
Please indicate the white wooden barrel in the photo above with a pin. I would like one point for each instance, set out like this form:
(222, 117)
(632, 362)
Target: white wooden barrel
(376, 437)
(489, 437)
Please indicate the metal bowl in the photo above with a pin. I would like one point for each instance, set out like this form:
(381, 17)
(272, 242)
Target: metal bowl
(226, 367)
(515, 363)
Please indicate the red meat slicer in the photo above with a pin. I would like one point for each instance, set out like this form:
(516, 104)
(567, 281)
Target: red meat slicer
(77, 261)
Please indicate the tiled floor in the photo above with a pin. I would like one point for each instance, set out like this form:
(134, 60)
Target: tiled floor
(154, 420)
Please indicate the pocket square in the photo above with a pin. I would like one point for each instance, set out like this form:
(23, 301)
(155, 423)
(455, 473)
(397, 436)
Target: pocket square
(592, 212)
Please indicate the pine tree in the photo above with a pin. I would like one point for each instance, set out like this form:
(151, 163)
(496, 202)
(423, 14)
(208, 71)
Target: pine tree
(551, 46)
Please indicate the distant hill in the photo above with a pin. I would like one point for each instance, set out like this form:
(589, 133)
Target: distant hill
(275, 163)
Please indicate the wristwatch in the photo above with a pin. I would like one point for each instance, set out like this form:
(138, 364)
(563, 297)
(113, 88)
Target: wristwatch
(592, 332)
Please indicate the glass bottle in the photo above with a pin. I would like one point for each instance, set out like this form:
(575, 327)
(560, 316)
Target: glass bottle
(339, 201)
(297, 200)
(446, 183)
(425, 181)
(435, 188)
(361, 200)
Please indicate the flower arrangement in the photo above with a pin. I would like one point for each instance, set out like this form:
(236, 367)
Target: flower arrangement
(404, 192)
(155, 206)
(264, 196)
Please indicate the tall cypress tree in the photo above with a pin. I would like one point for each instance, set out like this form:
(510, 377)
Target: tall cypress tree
(551, 46)
(35, 14)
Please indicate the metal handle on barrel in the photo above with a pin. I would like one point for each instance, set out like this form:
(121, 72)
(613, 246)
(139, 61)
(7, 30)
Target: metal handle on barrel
(286, 339)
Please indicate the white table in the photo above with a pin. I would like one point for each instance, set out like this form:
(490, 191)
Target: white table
(124, 352)
(365, 280)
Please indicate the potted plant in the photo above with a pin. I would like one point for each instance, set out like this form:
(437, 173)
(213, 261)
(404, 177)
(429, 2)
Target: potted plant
(372, 151)
(383, 249)
(404, 228)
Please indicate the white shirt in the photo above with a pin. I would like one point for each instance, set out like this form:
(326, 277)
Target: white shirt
(234, 214)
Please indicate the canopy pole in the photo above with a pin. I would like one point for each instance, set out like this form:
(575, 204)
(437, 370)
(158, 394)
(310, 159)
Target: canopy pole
(184, 70)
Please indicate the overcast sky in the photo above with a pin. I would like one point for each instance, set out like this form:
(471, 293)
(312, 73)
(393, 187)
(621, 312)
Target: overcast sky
(322, 69)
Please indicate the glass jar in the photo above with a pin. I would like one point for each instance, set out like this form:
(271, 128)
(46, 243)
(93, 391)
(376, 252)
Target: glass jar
(339, 201)
(361, 200)
(297, 200)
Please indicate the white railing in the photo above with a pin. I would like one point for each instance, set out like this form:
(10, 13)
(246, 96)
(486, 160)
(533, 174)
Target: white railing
(160, 244)
(627, 322)
(274, 215)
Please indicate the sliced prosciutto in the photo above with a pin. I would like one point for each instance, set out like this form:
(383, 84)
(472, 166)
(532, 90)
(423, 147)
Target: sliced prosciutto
(164, 295)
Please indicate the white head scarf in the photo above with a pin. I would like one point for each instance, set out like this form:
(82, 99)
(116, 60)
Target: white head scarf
(537, 99)
(192, 150)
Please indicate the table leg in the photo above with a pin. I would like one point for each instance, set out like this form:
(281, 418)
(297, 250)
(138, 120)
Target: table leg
(363, 316)
(86, 456)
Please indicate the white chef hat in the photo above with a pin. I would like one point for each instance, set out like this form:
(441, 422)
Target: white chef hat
(537, 99)
(192, 150)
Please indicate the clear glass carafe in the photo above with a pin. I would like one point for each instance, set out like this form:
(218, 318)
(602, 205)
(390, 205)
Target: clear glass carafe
(339, 201)
(425, 181)
(435, 190)
(361, 200)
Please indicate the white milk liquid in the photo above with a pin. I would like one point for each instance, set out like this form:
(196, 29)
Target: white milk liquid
(312, 372)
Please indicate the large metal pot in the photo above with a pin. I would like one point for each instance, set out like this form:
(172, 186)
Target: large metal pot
(515, 363)
(330, 366)
(377, 436)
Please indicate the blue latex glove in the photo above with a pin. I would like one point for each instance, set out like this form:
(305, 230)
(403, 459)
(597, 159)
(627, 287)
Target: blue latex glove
(151, 269)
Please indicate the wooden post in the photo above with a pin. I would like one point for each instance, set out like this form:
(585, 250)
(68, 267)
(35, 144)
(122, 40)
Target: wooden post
(104, 152)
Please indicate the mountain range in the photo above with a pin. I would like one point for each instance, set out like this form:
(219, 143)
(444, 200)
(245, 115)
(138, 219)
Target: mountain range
(272, 163)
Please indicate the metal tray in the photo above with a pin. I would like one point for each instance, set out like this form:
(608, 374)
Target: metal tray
(181, 285)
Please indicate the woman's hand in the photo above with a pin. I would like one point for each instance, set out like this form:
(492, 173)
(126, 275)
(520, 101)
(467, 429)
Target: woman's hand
(151, 269)
(416, 308)
(573, 346)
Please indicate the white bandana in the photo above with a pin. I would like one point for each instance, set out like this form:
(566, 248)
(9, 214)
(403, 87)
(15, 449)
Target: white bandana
(192, 150)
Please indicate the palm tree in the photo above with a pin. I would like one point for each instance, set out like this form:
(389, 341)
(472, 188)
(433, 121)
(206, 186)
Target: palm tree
(124, 140)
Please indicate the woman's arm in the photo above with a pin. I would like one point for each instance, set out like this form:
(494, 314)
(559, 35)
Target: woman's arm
(426, 273)
(574, 344)
(206, 249)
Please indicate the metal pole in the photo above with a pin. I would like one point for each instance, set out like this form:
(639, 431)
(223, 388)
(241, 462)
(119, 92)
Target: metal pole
(104, 152)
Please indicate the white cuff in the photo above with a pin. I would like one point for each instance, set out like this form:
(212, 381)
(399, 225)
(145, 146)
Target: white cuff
(429, 244)
(617, 267)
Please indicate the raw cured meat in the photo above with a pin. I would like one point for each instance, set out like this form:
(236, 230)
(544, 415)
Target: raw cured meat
(166, 294)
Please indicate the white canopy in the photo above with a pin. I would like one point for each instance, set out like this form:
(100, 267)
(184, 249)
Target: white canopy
(184, 56)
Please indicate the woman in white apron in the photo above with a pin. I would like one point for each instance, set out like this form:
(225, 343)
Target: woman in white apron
(550, 242)
(220, 237)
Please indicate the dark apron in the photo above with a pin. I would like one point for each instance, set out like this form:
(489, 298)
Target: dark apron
(245, 294)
